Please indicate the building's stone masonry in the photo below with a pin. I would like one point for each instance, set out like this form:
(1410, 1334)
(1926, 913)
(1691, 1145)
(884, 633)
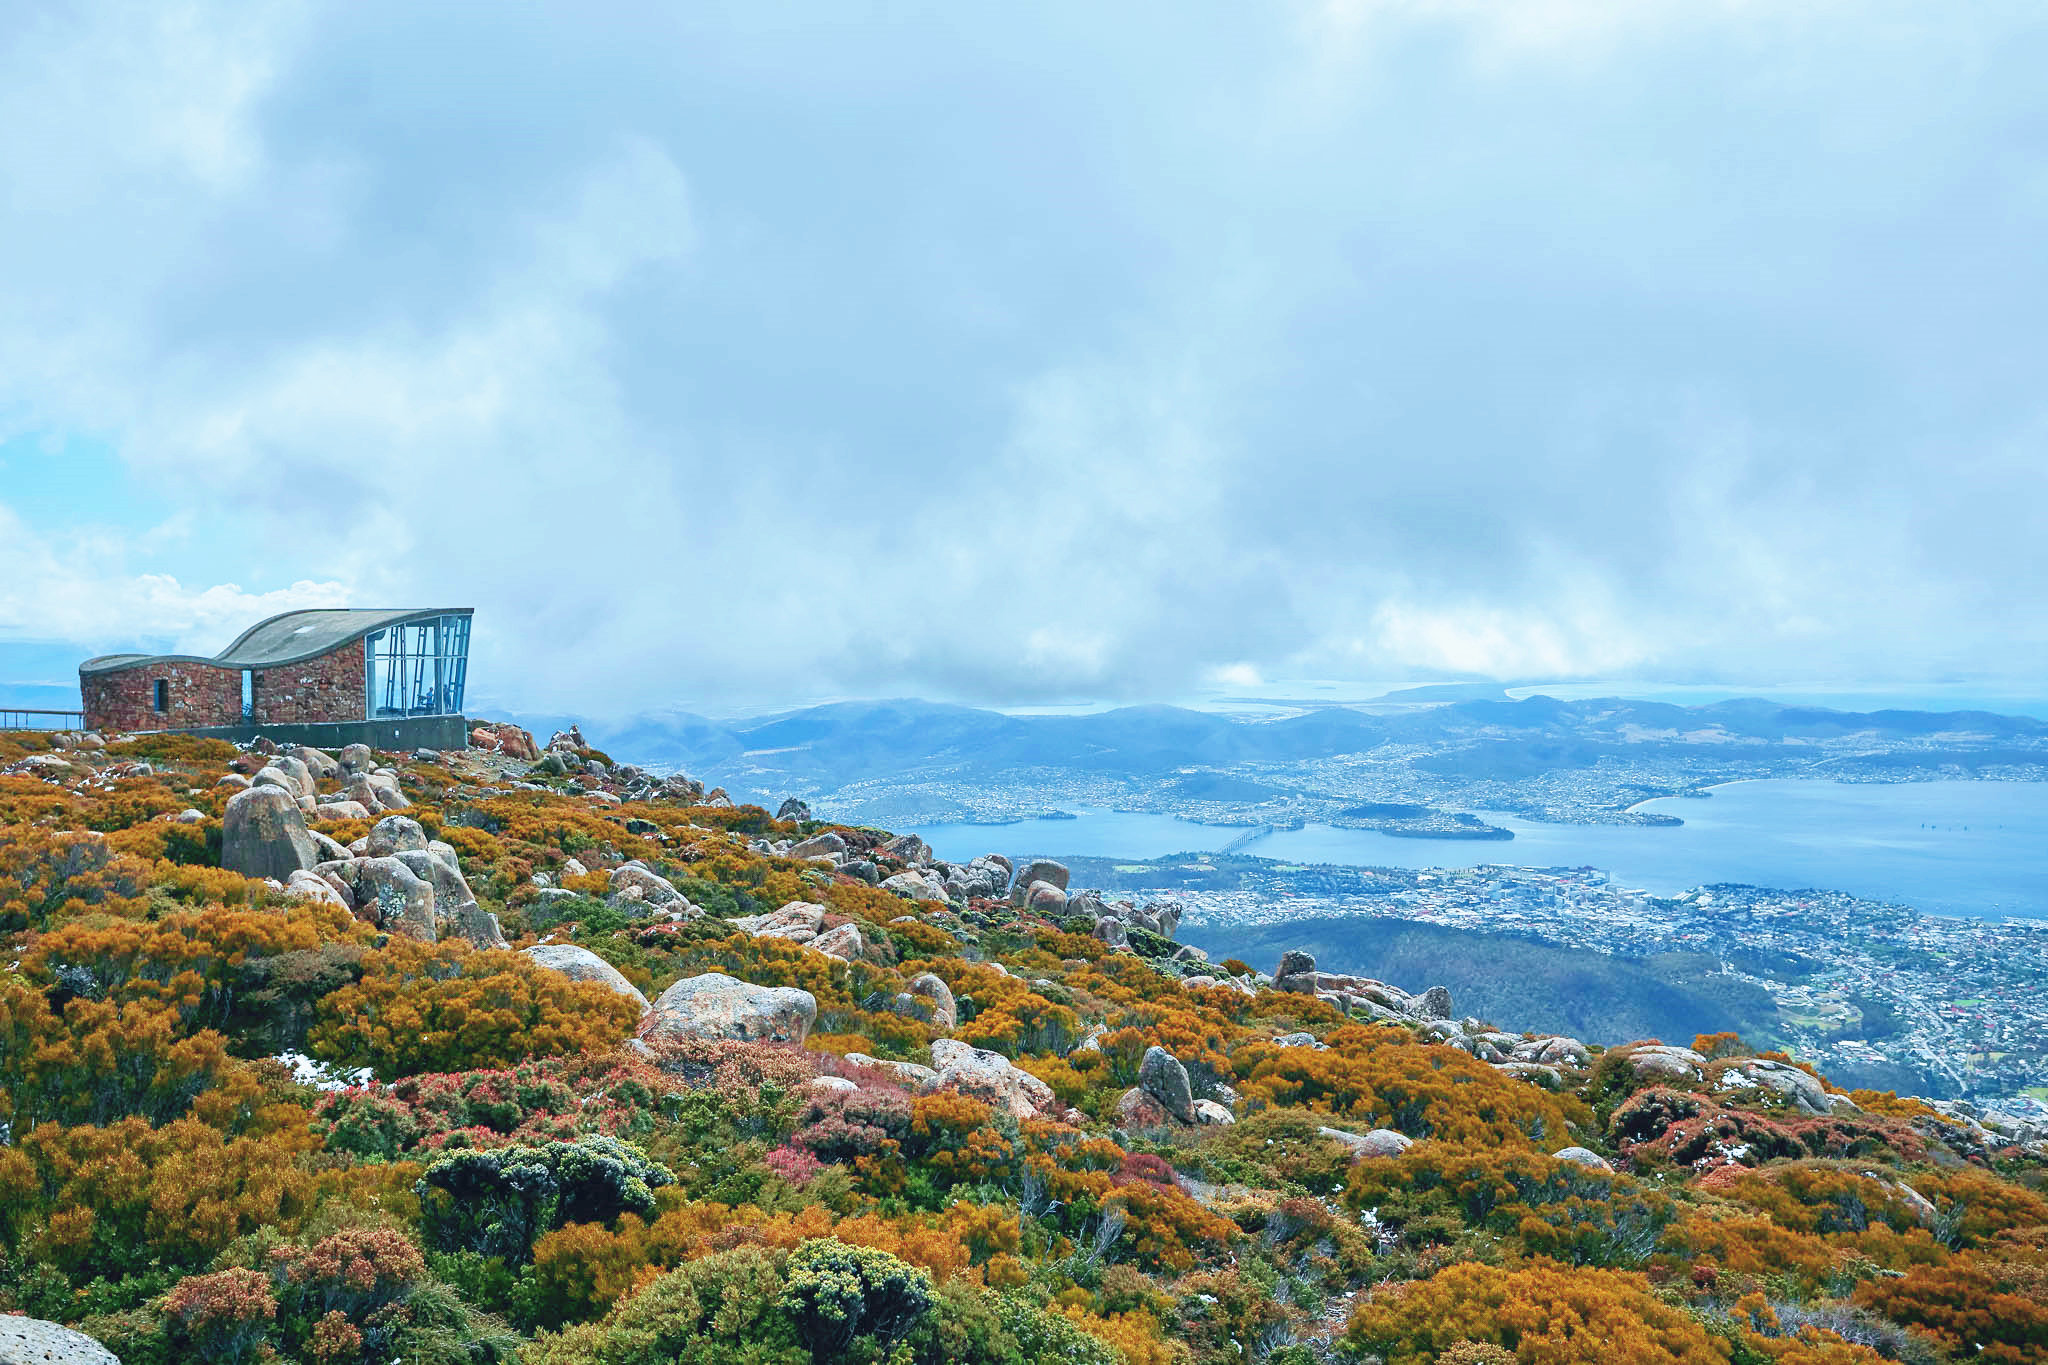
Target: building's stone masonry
(200, 695)
(327, 687)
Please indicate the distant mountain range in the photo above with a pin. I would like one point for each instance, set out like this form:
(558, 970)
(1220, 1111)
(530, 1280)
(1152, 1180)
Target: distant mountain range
(822, 749)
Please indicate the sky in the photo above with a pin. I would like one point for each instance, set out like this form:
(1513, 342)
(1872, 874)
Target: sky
(731, 356)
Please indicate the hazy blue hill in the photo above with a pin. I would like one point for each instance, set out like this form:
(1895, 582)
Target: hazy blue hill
(1322, 733)
(1143, 739)
(1514, 982)
(670, 739)
(825, 747)
(850, 741)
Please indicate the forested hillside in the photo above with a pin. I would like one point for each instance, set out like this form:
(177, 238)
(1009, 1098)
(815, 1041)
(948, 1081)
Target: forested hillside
(518, 1055)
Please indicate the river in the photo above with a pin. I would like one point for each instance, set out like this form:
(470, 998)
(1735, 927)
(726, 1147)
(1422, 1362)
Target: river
(1948, 848)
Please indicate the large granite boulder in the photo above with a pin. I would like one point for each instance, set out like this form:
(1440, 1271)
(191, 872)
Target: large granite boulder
(403, 901)
(1583, 1156)
(1800, 1089)
(826, 844)
(311, 886)
(1043, 898)
(909, 849)
(989, 1076)
(718, 1006)
(580, 964)
(1162, 1076)
(909, 1075)
(843, 943)
(1379, 1142)
(395, 834)
(636, 880)
(918, 887)
(31, 1341)
(1434, 1004)
(798, 921)
(945, 1012)
(1038, 870)
(358, 789)
(1659, 1061)
(1138, 1109)
(320, 763)
(1296, 973)
(263, 834)
(302, 776)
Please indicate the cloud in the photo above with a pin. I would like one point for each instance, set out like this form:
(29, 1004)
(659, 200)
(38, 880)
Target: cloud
(1008, 356)
(82, 591)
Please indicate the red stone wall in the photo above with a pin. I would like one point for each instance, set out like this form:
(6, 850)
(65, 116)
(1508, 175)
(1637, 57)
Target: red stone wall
(327, 687)
(200, 696)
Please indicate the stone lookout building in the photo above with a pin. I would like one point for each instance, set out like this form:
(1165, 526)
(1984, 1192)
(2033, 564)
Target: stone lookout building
(328, 678)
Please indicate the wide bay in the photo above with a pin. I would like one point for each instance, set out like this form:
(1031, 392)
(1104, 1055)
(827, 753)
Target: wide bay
(1952, 848)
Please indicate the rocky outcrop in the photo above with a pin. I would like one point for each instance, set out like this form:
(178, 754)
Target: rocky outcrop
(508, 740)
(31, 1341)
(985, 878)
(718, 1006)
(263, 834)
(989, 1076)
(580, 964)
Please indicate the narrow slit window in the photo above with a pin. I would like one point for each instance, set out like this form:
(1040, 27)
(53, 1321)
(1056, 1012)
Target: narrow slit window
(162, 697)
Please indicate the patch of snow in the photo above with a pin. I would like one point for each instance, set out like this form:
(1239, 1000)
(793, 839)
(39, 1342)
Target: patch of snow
(323, 1075)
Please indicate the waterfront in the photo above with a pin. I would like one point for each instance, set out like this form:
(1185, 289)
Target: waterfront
(1949, 848)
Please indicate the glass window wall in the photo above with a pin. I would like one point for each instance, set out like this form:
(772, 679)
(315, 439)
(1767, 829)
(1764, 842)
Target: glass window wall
(417, 669)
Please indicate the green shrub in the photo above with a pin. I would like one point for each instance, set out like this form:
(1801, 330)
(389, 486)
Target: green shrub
(496, 1203)
(722, 1310)
(837, 1293)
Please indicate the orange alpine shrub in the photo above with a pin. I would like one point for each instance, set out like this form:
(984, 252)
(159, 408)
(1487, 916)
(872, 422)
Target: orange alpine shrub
(1544, 1313)
(450, 1007)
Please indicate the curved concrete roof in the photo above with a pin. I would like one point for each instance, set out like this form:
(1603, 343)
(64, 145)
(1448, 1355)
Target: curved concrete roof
(284, 639)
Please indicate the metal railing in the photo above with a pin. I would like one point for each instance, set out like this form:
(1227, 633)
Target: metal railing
(29, 718)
